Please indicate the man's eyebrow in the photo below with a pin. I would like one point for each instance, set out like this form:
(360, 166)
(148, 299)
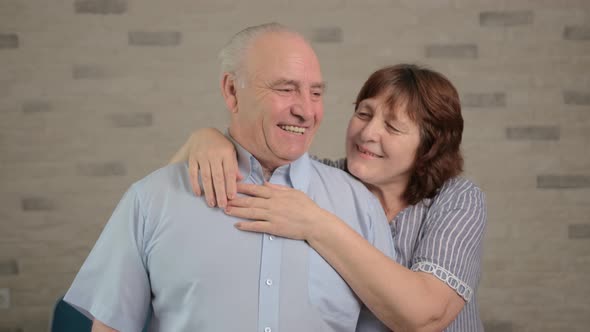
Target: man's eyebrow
(284, 81)
(319, 85)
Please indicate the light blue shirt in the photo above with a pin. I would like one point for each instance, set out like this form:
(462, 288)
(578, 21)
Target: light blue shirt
(165, 252)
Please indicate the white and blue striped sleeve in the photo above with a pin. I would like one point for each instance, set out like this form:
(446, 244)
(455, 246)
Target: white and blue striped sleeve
(452, 239)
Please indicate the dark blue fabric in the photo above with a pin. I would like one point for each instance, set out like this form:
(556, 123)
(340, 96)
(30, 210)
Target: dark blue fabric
(67, 319)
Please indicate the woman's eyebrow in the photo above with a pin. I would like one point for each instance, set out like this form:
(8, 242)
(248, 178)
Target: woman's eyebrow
(365, 104)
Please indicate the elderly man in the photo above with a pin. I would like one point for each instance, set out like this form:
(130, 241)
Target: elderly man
(165, 252)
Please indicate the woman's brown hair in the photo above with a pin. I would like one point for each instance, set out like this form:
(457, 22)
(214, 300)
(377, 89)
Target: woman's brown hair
(432, 102)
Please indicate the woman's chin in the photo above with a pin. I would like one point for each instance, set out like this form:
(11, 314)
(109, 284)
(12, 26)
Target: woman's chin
(359, 171)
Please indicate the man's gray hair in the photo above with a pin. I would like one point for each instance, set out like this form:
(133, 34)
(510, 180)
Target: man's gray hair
(232, 54)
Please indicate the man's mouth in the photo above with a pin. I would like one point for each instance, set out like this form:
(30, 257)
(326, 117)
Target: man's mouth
(367, 152)
(293, 129)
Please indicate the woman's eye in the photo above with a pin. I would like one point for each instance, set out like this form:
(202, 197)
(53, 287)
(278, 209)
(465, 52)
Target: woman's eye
(363, 115)
(392, 128)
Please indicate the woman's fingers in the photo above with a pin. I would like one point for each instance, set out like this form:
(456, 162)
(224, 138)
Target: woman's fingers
(248, 202)
(247, 213)
(254, 190)
(261, 226)
(193, 171)
(231, 173)
(239, 175)
(207, 183)
(218, 180)
(277, 186)
(255, 226)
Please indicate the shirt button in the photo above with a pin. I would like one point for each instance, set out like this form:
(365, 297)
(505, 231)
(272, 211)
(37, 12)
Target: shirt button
(269, 283)
(270, 237)
(267, 329)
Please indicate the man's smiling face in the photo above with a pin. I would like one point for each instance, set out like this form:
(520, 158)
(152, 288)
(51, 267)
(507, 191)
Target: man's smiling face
(280, 106)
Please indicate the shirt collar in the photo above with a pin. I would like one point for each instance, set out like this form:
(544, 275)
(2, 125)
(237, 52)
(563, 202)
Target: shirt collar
(296, 173)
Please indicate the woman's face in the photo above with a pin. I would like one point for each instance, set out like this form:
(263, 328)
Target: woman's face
(381, 148)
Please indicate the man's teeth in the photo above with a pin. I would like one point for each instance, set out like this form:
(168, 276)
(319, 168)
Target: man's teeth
(293, 129)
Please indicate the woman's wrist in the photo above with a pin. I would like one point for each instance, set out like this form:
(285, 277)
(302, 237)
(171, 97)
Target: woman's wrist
(323, 228)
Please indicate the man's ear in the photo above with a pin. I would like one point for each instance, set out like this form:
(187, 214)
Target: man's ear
(229, 91)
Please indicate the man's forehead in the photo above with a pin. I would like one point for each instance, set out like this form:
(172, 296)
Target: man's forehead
(284, 54)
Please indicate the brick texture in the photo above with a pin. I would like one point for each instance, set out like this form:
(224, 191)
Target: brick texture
(563, 181)
(497, 99)
(498, 326)
(37, 204)
(576, 32)
(467, 51)
(327, 35)
(513, 18)
(103, 7)
(155, 38)
(101, 169)
(36, 106)
(122, 120)
(576, 97)
(533, 133)
(8, 41)
(80, 72)
(9, 267)
(4, 298)
(579, 231)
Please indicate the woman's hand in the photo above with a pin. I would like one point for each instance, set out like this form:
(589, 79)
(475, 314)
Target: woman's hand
(276, 210)
(214, 156)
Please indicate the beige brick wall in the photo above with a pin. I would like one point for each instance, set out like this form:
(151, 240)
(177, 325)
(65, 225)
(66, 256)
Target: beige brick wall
(94, 94)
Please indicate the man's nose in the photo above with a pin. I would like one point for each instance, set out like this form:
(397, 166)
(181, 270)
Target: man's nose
(302, 107)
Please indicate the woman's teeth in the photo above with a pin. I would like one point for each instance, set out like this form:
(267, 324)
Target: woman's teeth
(293, 129)
(367, 152)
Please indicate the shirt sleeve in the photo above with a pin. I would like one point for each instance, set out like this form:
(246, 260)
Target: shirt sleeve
(452, 242)
(368, 322)
(379, 235)
(112, 285)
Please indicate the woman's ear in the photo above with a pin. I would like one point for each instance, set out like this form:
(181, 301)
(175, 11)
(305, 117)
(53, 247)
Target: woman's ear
(228, 90)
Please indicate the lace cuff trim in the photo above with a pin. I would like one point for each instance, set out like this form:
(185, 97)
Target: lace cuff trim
(447, 277)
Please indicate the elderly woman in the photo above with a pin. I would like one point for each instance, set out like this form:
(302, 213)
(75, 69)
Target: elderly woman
(403, 142)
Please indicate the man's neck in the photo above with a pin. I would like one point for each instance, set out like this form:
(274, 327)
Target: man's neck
(267, 170)
(267, 173)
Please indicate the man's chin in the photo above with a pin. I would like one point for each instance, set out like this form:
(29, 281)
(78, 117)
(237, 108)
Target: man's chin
(289, 158)
(289, 154)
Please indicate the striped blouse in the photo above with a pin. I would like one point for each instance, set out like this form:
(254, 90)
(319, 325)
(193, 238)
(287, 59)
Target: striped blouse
(443, 236)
